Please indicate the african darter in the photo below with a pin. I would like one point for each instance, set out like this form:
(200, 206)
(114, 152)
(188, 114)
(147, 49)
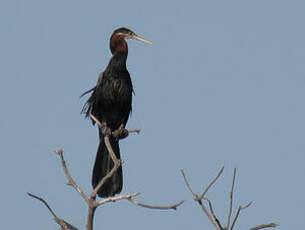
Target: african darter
(110, 102)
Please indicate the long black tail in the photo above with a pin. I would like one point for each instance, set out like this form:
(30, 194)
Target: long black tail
(103, 165)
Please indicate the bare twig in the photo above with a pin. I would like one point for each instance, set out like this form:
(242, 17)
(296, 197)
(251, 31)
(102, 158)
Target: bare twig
(90, 201)
(173, 206)
(213, 213)
(115, 198)
(211, 183)
(231, 200)
(271, 225)
(213, 220)
(134, 131)
(96, 120)
(70, 179)
(62, 223)
(110, 150)
(188, 184)
(237, 213)
(44, 202)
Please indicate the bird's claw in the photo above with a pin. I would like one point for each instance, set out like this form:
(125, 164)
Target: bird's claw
(120, 133)
(123, 133)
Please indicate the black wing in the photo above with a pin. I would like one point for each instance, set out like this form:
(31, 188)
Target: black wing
(87, 108)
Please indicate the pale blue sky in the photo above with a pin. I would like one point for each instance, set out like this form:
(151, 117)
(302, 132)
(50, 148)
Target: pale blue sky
(222, 84)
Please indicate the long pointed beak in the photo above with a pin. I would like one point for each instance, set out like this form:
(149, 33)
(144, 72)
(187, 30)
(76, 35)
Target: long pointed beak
(136, 37)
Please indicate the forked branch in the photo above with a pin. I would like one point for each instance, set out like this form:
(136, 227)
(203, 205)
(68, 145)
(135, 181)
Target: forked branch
(90, 200)
(211, 214)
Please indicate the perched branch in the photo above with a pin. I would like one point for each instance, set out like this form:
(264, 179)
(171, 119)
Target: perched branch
(62, 223)
(111, 152)
(134, 131)
(115, 198)
(117, 132)
(96, 120)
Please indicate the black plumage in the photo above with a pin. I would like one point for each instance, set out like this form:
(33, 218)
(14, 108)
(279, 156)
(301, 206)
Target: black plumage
(110, 102)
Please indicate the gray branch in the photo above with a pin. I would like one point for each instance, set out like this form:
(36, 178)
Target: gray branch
(211, 214)
(62, 223)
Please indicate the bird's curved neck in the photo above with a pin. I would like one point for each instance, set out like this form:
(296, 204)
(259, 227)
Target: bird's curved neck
(118, 44)
(118, 62)
(119, 50)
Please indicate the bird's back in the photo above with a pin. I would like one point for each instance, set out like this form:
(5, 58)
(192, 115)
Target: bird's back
(112, 98)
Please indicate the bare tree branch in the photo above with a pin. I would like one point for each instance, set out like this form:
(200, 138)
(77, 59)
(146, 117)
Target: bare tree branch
(62, 223)
(188, 184)
(115, 198)
(44, 202)
(110, 150)
(173, 206)
(237, 213)
(231, 200)
(70, 179)
(134, 131)
(271, 225)
(211, 183)
(96, 120)
(91, 202)
(196, 198)
(90, 217)
(213, 213)
(213, 220)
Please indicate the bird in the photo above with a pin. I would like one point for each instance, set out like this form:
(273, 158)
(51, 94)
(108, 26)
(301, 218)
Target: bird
(110, 102)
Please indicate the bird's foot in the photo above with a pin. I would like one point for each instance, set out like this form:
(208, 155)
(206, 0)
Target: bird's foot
(120, 133)
(123, 133)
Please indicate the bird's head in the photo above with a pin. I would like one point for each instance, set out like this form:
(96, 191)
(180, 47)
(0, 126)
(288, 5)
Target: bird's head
(121, 34)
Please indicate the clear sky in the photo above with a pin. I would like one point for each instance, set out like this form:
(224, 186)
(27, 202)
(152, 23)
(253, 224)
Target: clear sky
(222, 84)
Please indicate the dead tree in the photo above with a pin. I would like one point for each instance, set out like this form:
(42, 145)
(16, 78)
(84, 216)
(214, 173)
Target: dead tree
(93, 204)
(91, 200)
(209, 212)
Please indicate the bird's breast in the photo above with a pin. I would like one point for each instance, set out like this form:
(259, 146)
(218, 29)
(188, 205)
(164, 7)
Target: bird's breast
(117, 91)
